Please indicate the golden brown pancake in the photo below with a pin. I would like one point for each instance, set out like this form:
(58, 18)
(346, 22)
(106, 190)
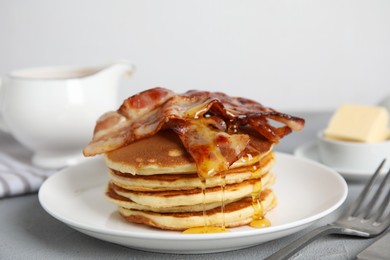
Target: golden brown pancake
(129, 204)
(164, 153)
(161, 153)
(186, 181)
(186, 200)
(172, 198)
(235, 214)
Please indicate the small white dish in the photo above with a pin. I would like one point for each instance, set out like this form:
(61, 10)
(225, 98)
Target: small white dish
(353, 155)
(306, 191)
(310, 151)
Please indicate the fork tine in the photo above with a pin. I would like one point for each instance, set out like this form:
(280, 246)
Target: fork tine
(385, 204)
(354, 209)
(381, 211)
(373, 202)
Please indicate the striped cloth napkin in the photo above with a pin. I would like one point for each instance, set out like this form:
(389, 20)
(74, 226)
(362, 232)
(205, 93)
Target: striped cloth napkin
(18, 178)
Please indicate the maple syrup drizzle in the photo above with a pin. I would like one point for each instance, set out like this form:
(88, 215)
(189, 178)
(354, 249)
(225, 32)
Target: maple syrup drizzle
(206, 228)
(223, 184)
(260, 223)
(203, 185)
(258, 220)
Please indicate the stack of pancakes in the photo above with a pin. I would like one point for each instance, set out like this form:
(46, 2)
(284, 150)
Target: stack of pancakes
(154, 181)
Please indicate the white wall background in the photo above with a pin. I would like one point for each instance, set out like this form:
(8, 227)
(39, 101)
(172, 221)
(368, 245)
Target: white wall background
(307, 54)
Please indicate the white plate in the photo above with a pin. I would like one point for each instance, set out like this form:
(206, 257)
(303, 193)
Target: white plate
(306, 192)
(310, 151)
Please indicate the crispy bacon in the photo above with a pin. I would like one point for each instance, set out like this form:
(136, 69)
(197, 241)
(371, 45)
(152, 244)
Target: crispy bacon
(208, 124)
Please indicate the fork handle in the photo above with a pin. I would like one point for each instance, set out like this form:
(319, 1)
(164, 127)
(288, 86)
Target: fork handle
(303, 241)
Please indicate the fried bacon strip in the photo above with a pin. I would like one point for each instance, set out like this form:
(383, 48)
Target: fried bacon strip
(208, 123)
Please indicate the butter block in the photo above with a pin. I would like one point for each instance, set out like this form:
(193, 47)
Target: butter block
(359, 123)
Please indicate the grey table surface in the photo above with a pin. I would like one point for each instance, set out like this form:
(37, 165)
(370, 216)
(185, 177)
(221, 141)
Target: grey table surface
(28, 232)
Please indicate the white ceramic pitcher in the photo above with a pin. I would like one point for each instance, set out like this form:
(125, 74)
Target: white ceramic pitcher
(53, 110)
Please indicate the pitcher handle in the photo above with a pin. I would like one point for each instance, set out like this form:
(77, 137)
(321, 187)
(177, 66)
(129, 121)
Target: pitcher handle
(3, 126)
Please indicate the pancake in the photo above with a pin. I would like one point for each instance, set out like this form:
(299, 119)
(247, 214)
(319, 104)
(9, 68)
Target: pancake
(161, 153)
(189, 197)
(186, 201)
(186, 181)
(129, 204)
(235, 214)
(164, 153)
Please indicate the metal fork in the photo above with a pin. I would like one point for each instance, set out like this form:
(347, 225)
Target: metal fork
(368, 216)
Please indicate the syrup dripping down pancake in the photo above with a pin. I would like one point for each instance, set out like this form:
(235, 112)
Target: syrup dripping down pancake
(235, 214)
(118, 196)
(164, 200)
(164, 153)
(185, 181)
